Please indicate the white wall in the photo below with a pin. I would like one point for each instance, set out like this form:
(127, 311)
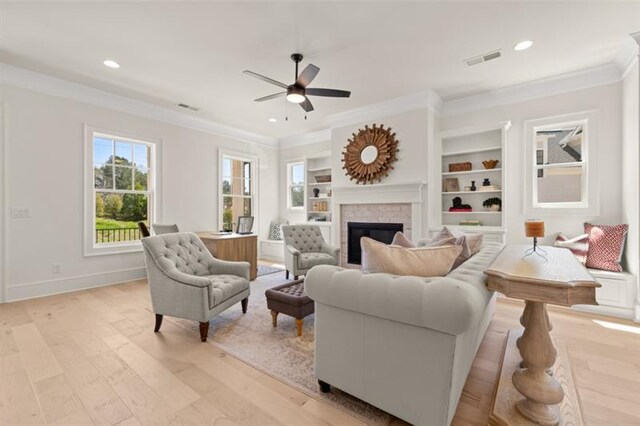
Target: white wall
(630, 173)
(297, 153)
(608, 154)
(44, 145)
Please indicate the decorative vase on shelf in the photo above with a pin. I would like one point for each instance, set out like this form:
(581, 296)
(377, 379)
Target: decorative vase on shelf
(486, 182)
(316, 192)
(473, 185)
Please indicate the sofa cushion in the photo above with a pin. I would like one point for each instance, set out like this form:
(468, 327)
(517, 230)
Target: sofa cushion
(309, 260)
(224, 287)
(420, 262)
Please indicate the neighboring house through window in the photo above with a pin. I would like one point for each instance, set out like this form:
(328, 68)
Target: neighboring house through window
(295, 185)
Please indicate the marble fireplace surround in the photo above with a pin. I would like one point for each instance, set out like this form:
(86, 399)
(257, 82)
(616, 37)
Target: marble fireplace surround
(394, 203)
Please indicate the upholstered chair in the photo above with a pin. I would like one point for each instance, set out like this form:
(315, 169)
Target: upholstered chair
(160, 229)
(304, 248)
(186, 281)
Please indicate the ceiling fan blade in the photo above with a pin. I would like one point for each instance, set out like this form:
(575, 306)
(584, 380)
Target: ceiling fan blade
(263, 78)
(306, 105)
(332, 93)
(307, 75)
(266, 98)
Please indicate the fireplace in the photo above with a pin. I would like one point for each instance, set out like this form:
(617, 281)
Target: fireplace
(382, 232)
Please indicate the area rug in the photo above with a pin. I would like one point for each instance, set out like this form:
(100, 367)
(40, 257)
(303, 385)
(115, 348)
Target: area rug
(277, 351)
(266, 270)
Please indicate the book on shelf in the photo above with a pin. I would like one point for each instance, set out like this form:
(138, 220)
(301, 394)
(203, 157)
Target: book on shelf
(470, 222)
(453, 209)
(489, 188)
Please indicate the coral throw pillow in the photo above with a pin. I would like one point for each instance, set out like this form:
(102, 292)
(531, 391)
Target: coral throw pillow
(579, 245)
(606, 243)
(396, 260)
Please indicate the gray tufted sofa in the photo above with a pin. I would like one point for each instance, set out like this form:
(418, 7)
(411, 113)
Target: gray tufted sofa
(304, 248)
(186, 281)
(403, 344)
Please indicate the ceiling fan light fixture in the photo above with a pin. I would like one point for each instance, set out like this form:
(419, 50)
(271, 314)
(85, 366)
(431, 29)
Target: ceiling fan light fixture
(522, 45)
(295, 95)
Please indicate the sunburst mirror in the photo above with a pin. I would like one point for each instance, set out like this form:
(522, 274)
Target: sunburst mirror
(370, 153)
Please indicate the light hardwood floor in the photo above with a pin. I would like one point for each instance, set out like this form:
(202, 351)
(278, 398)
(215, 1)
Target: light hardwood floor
(91, 357)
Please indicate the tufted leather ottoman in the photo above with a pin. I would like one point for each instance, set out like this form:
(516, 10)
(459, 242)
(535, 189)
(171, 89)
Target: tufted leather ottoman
(289, 299)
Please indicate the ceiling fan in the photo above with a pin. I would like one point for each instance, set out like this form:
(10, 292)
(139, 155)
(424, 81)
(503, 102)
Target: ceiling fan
(298, 91)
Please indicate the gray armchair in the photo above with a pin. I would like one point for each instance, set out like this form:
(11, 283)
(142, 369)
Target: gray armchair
(304, 248)
(186, 281)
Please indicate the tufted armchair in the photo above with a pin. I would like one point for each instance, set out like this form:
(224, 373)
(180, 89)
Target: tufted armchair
(304, 248)
(186, 281)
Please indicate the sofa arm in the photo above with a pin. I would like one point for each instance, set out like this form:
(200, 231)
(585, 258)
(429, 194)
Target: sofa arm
(443, 304)
(239, 269)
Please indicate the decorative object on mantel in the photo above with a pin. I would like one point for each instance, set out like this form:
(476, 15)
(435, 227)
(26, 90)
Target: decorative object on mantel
(450, 185)
(323, 178)
(458, 206)
(473, 186)
(460, 167)
(493, 203)
(486, 182)
(316, 192)
(534, 228)
(490, 164)
(370, 153)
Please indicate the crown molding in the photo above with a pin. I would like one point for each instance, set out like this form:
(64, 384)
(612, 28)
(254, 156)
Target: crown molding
(305, 138)
(425, 99)
(570, 82)
(38, 82)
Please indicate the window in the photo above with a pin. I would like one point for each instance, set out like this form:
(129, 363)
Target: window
(295, 186)
(560, 178)
(237, 189)
(121, 190)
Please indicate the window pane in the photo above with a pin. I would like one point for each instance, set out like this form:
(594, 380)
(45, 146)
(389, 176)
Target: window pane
(559, 145)
(124, 152)
(226, 167)
(232, 208)
(142, 179)
(103, 176)
(236, 186)
(297, 174)
(141, 155)
(226, 186)
(297, 196)
(116, 216)
(124, 177)
(102, 150)
(560, 185)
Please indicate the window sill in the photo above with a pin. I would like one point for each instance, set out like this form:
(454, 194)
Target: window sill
(108, 250)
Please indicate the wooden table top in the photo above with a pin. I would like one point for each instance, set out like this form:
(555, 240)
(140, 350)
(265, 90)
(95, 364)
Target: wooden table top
(217, 236)
(560, 280)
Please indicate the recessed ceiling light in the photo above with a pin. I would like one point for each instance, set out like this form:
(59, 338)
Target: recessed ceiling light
(523, 45)
(111, 64)
(273, 120)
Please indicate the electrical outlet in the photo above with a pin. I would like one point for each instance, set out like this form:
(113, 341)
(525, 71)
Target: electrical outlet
(20, 212)
(56, 268)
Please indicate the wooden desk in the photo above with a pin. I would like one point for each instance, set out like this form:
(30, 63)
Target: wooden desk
(233, 247)
(561, 280)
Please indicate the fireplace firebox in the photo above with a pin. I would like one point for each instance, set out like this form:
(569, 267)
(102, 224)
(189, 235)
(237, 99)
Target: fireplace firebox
(382, 232)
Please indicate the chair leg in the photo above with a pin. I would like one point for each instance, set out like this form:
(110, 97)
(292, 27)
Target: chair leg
(324, 387)
(286, 274)
(158, 323)
(299, 323)
(244, 303)
(204, 330)
(274, 318)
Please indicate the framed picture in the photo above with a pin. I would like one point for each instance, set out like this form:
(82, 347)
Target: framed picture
(450, 185)
(245, 224)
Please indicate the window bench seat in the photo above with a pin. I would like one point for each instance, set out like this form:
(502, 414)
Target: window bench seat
(272, 250)
(616, 297)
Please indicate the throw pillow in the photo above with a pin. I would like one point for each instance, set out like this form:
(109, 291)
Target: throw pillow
(419, 262)
(401, 240)
(275, 230)
(474, 240)
(579, 245)
(606, 243)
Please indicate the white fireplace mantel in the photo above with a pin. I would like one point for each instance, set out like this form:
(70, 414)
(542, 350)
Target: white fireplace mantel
(396, 193)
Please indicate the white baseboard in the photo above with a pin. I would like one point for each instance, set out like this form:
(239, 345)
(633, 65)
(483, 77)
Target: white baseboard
(612, 311)
(69, 284)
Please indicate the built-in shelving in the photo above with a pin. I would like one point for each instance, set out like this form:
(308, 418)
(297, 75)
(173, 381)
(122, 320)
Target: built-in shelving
(469, 145)
(316, 167)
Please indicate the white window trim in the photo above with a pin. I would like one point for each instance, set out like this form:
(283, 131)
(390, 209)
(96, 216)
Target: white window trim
(155, 198)
(289, 185)
(222, 153)
(590, 204)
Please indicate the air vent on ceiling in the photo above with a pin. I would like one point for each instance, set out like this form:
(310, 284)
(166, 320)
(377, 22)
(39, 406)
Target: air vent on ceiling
(185, 106)
(483, 58)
